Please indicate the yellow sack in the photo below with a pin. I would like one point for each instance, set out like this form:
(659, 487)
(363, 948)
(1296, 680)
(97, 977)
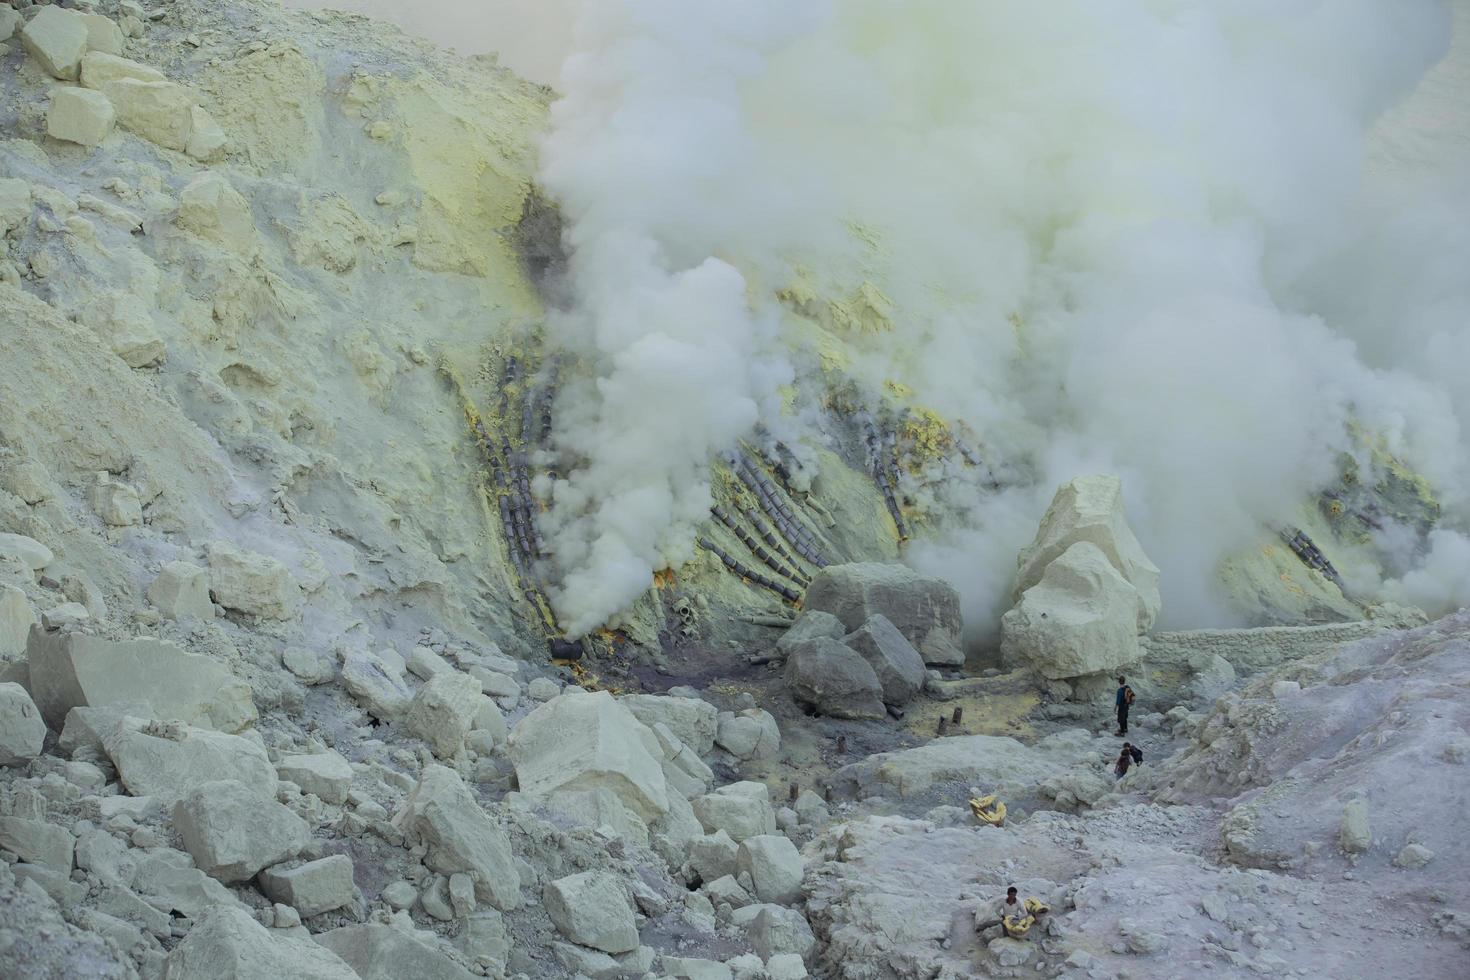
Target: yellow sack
(989, 810)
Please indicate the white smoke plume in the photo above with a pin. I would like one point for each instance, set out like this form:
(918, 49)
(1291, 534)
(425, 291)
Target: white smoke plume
(1139, 236)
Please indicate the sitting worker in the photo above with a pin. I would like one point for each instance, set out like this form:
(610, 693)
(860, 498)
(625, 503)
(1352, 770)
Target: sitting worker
(1016, 916)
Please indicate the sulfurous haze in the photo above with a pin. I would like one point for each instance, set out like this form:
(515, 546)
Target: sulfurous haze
(1153, 237)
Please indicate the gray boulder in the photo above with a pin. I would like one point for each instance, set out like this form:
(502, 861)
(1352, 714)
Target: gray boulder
(925, 610)
(460, 836)
(311, 888)
(228, 944)
(898, 665)
(834, 680)
(592, 909)
(812, 624)
(232, 832)
(22, 731)
(382, 952)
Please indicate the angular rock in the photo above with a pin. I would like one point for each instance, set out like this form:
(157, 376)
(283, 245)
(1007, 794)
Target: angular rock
(424, 663)
(1090, 509)
(37, 842)
(66, 614)
(775, 867)
(376, 683)
(713, 856)
(169, 881)
(488, 718)
(898, 665)
(693, 721)
(10, 22)
(16, 616)
(834, 680)
(777, 931)
(99, 68)
(382, 952)
(228, 944)
(812, 624)
(160, 112)
(1080, 618)
(170, 761)
(207, 141)
(107, 857)
(79, 115)
(70, 670)
(749, 734)
(690, 968)
(326, 774)
(311, 888)
(232, 832)
(211, 208)
(57, 39)
(443, 711)
(585, 740)
(785, 966)
(925, 610)
(103, 34)
(181, 591)
(741, 810)
(307, 666)
(32, 553)
(460, 836)
(252, 583)
(22, 732)
(592, 909)
(1355, 834)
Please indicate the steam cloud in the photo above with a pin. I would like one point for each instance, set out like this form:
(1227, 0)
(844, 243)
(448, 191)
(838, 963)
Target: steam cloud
(1124, 235)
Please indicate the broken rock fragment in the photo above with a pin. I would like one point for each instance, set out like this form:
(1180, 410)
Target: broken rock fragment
(460, 836)
(592, 909)
(582, 741)
(57, 39)
(925, 610)
(79, 115)
(228, 944)
(326, 774)
(252, 583)
(834, 680)
(311, 888)
(443, 711)
(232, 832)
(22, 732)
(70, 670)
(170, 760)
(1080, 618)
(893, 658)
(181, 591)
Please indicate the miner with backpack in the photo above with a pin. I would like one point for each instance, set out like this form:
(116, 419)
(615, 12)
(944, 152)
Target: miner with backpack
(1124, 701)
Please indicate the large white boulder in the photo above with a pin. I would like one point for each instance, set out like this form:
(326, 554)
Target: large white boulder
(311, 888)
(741, 810)
(925, 610)
(774, 865)
(160, 112)
(22, 731)
(103, 34)
(326, 774)
(16, 616)
(1090, 509)
(384, 952)
(376, 682)
(181, 591)
(57, 39)
(460, 836)
(99, 68)
(252, 583)
(693, 720)
(749, 734)
(79, 115)
(1080, 618)
(31, 553)
(169, 761)
(38, 842)
(70, 670)
(582, 740)
(893, 658)
(444, 710)
(777, 931)
(232, 832)
(592, 909)
(211, 208)
(228, 944)
(834, 680)
(10, 22)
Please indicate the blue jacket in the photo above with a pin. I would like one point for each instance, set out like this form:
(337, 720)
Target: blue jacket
(1120, 702)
